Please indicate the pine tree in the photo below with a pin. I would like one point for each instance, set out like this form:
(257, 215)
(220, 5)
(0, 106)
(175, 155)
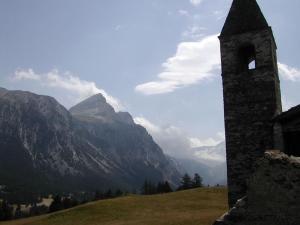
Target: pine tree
(108, 194)
(148, 188)
(167, 187)
(18, 213)
(6, 211)
(160, 187)
(145, 188)
(197, 181)
(118, 193)
(186, 182)
(67, 203)
(98, 195)
(56, 205)
(152, 189)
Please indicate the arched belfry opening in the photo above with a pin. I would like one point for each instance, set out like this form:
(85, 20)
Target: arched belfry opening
(247, 56)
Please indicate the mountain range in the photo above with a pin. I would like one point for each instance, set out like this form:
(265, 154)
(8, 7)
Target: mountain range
(46, 148)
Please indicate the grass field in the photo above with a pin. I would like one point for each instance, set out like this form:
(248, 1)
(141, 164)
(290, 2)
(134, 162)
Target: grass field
(193, 207)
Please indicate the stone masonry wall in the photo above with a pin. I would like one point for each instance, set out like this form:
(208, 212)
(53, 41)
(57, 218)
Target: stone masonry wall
(273, 196)
(251, 101)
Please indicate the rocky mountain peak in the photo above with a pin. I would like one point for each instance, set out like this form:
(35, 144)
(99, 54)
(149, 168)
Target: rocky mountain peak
(96, 107)
(46, 105)
(91, 148)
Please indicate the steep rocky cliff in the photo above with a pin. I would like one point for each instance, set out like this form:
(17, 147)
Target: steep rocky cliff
(132, 150)
(44, 147)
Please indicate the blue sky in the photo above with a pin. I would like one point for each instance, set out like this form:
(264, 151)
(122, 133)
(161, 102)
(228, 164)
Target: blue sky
(157, 59)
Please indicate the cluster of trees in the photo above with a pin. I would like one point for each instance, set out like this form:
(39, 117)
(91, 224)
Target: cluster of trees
(60, 203)
(149, 188)
(188, 183)
(99, 195)
(20, 194)
(7, 211)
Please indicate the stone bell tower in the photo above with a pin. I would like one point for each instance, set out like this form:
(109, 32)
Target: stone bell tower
(251, 89)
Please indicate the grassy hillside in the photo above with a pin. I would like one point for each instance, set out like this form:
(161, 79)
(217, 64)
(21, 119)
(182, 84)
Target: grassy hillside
(193, 207)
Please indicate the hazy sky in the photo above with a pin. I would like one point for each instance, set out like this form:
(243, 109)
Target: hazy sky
(157, 59)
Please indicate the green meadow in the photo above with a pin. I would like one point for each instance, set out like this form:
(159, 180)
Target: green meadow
(192, 207)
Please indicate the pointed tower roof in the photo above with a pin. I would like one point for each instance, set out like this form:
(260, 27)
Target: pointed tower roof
(244, 16)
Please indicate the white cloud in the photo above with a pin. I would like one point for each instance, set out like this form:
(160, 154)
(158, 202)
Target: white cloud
(287, 104)
(151, 128)
(25, 75)
(177, 143)
(171, 139)
(183, 12)
(196, 2)
(192, 63)
(117, 27)
(288, 72)
(219, 14)
(82, 89)
(209, 154)
(197, 142)
(194, 32)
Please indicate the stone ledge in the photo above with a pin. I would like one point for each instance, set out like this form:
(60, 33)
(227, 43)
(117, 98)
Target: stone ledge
(280, 156)
(273, 196)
